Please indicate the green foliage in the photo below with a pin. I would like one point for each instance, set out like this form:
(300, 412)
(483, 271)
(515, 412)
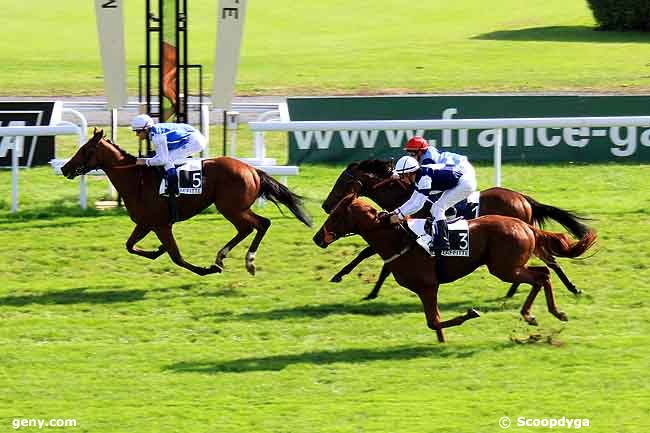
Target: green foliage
(621, 15)
(121, 343)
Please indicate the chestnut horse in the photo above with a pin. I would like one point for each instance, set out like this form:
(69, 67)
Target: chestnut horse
(371, 178)
(231, 185)
(503, 244)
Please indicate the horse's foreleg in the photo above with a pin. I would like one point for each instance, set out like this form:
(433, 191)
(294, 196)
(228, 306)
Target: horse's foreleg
(429, 298)
(385, 272)
(367, 252)
(169, 243)
(139, 232)
(512, 290)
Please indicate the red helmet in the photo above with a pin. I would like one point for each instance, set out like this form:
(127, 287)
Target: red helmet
(417, 143)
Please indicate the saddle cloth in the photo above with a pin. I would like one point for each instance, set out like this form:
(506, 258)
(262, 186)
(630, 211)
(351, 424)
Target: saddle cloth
(458, 236)
(190, 178)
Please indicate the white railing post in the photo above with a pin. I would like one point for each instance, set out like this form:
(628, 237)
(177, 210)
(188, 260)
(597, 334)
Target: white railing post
(17, 144)
(205, 128)
(497, 156)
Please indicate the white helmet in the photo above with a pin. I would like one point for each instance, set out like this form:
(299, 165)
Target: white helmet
(406, 164)
(141, 121)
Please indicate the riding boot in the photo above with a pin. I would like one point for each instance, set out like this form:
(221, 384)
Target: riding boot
(172, 192)
(173, 208)
(440, 241)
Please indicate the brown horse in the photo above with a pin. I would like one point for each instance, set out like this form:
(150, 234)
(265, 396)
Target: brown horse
(503, 244)
(231, 185)
(371, 178)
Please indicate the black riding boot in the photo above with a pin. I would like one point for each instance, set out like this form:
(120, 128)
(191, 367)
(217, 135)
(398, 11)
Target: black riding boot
(441, 239)
(172, 192)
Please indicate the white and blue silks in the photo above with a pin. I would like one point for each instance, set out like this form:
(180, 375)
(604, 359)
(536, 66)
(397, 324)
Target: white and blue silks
(174, 141)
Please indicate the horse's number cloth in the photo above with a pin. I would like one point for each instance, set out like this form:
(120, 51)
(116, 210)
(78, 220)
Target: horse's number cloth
(458, 237)
(190, 178)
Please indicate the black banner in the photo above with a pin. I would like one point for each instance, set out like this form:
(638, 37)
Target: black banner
(36, 150)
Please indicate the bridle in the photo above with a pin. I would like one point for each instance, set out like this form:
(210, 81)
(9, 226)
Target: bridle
(335, 236)
(83, 167)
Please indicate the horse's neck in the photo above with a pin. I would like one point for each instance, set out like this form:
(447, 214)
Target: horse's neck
(389, 197)
(385, 241)
(124, 178)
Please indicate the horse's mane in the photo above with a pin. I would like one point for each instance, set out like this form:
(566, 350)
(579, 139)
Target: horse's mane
(376, 166)
(123, 152)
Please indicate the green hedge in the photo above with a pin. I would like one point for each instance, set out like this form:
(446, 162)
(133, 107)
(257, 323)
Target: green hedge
(621, 15)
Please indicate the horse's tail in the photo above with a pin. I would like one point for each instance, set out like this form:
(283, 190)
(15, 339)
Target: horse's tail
(568, 219)
(548, 244)
(275, 192)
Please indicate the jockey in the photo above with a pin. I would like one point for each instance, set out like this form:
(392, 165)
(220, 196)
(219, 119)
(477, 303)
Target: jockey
(429, 179)
(172, 141)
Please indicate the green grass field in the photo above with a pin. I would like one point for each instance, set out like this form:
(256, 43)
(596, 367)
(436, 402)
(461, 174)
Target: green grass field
(123, 344)
(120, 343)
(315, 47)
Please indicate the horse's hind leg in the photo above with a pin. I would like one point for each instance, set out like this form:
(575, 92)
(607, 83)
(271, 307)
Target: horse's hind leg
(385, 272)
(550, 302)
(245, 222)
(534, 275)
(139, 233)
(560, 273)
(169, 243)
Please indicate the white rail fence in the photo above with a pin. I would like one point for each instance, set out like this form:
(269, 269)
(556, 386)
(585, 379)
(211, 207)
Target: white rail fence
(60, 128)
(496, 125)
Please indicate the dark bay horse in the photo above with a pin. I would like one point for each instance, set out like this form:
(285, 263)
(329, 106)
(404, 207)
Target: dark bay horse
(371, 178)
(503, 244)
(231, 185)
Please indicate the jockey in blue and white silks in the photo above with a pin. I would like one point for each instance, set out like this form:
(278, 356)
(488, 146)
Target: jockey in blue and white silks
(419, 148)
(427, 180)
(172, 141)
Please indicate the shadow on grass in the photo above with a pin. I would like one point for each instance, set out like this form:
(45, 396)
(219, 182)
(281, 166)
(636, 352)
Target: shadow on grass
(565, 34)
(321, 311)
(74, 296)
(57, 210)
(375, 308)
(325, 357)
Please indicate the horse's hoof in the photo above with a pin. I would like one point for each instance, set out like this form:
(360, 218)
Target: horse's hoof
(215, 269)
(219, 262)
(250, 263)
(577, 292)
(251, 269)
(472, 313)
(370, 297)
(531, 320)
(561, 315)
(336, 279)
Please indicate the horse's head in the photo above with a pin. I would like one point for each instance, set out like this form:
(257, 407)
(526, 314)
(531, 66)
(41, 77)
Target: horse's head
(350, 216)
(98, 152)
(359, 179)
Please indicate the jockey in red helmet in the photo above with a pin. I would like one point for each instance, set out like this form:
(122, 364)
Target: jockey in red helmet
(418, 147)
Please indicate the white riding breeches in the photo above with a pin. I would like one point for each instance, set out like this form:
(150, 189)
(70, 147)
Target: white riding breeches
(195, 144)
(466, 186)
